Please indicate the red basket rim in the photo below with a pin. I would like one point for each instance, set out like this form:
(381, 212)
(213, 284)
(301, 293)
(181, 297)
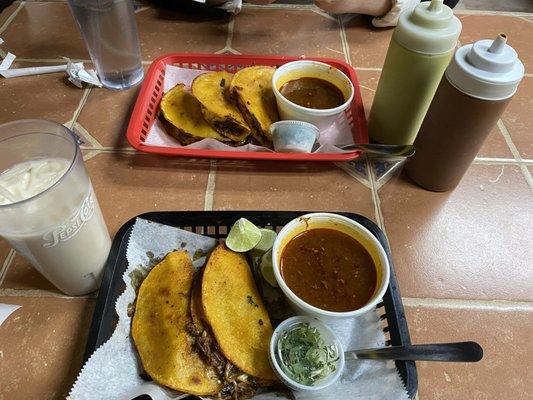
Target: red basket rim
(137, 120)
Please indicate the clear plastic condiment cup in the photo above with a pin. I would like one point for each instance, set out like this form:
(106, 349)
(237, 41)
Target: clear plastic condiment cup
(329, 338)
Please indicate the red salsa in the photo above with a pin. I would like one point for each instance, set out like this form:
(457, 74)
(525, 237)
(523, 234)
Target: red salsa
(313, 93)
(329, 270)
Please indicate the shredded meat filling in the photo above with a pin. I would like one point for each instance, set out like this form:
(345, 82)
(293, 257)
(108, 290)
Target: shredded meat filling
(237, 384)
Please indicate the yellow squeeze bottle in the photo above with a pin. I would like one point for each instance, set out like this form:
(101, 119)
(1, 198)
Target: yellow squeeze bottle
(419, 52)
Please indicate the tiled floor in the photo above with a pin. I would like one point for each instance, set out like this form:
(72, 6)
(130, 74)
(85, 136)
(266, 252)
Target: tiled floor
(463, 258)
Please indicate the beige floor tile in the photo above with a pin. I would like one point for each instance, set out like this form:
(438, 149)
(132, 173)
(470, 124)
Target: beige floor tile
(22, 275)
(286, 32)
(106, 114)
(287, 186)
(162, 32)
(368, 45)
(49, 96)
(130, 184)
(44, 30)
(471, 243)
(504, 371)
(42, 346)
(518, 31)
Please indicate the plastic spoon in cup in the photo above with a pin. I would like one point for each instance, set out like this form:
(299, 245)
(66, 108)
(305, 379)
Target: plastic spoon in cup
(458, 352)
(386, 150)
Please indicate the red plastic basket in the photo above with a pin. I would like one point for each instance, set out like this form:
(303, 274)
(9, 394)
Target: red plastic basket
(146, 107)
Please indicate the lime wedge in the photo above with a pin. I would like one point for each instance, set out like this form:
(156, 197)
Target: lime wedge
(267, 269)
(243, 236)
(268, 237)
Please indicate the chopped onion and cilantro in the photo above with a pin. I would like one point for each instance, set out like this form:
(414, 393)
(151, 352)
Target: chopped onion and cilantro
(304, 355)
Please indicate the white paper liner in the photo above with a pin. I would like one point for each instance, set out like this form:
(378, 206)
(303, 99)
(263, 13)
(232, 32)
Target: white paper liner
(112, 371)
(338, 134)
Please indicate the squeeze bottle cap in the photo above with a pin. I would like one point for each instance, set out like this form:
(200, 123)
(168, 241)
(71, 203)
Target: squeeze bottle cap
(431, 28)
(486, 69)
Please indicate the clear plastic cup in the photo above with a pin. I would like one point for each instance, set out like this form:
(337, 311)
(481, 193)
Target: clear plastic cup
(59, 228)
(110, 33)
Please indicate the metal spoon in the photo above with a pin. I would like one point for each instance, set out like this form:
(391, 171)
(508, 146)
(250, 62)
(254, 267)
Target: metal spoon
(383, 149)
(460, 351)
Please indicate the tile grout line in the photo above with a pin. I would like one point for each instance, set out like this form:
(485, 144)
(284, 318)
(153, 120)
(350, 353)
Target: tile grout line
(8, 292)
(494, 13)
(12, 17)
(52, 60)
(77, 111)
(229, 39)
(375, 196)
(344, 40)
(80, 130)
(496, 160)
(324, 14)
(346, 50)
(210, 187)
(91, 154)
(95, 144)
(468, 303)
(526, 19)
(346, 168)
(387, 176)
(514, 150)
(7, 263)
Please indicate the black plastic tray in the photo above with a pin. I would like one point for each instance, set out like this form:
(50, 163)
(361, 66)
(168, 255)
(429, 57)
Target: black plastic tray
(217, 224)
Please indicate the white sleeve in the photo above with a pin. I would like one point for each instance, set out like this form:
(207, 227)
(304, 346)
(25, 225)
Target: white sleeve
(391, 18)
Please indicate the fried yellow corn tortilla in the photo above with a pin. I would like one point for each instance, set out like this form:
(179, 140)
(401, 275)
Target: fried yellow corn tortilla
(211, 90)
(159, 329)
(183, 119)
(252, 90)
(236, 314)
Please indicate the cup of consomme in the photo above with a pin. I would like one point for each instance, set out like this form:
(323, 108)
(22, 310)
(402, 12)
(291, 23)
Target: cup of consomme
(311, 91)
(329, 266)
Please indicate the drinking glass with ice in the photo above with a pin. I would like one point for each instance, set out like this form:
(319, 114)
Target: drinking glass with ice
(48, 210)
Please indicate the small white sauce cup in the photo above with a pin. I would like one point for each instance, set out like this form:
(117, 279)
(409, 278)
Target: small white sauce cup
(288, 110)
(293, 136)
(344, 225)
(329, 338)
